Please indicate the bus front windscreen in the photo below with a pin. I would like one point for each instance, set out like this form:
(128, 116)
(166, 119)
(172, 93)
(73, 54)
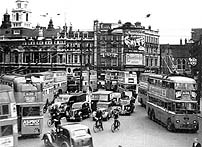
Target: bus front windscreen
(37, 87)
(31, 111)
(186, 108)
(185, 86)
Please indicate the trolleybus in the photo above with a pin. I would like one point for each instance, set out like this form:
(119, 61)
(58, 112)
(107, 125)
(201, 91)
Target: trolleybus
(8, 118)
(85, 77)
(60, 81)
(111, 79)
(143, 88)
(48, 84)
(28, 96)
(127, 81)
(172, 101)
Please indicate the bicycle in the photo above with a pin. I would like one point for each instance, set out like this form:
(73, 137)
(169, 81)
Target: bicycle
(115, 126)
(50, 122)
(98, 127)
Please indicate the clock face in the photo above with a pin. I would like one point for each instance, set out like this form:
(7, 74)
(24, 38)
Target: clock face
(134, 41)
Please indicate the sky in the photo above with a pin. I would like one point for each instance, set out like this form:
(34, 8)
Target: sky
(173, 18)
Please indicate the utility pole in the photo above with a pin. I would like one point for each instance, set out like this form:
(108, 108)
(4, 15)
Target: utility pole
(81, 55)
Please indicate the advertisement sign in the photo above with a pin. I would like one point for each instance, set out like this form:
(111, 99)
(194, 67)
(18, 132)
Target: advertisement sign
(134, 41)
(134, 59)
(31, 122)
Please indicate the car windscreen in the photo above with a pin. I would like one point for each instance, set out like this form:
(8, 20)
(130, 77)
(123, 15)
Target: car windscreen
(79, 133)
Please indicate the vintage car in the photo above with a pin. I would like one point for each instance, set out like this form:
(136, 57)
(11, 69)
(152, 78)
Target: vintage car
(106, 109)
(66, 135)
(79, 111)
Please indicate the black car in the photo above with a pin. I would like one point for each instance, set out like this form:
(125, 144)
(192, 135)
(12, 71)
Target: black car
(79, 111)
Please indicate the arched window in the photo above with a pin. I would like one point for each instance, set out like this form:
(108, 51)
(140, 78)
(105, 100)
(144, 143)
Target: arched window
(16, 57)
(17, 17)
(183, 63)
(27, 17)
(178, 63)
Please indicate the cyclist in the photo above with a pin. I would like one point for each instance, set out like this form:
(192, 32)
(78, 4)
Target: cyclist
(116, 116)
(98, 118)
(55, 114)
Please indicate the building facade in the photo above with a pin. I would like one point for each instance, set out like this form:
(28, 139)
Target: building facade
(113, 46)
(24, 49)
(176, 58)
(127, 47)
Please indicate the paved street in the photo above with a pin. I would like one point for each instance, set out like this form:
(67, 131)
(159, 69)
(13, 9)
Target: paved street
(136, 131)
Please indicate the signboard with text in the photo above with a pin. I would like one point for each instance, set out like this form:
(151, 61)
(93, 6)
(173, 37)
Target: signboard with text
(134, 59)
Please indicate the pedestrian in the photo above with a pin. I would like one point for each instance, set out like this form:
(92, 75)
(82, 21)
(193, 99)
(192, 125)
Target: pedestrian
(196, 143)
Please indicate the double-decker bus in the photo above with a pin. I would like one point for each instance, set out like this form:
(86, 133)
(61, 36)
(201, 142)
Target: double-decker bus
(28, 96)
(172, 101)
(111, 79)
(60, 81)
(143, 88)
(8, 118)
(48, 84)
(127, 81)
(85, 79)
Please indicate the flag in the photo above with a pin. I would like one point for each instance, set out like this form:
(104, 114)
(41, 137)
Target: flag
(148, 15)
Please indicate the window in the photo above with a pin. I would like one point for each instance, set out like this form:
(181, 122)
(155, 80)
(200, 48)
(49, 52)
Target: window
(6, 130)
(156, 62)
(178, 63)
(19, 5)
(17, 17)
(27, 17)
(183, 63)
(75, 58)
(31, 111)
(16, 32)
(114, 62)
(4, 111)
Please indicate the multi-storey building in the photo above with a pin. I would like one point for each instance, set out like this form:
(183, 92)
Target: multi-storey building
(24, 49)
(108, 46)
(127, 47)
(175, 58)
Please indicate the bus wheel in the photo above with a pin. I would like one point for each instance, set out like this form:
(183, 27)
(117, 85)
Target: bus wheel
(170, 126)
(149, 114)
(153, 116)
(142, 105)
(64, 144)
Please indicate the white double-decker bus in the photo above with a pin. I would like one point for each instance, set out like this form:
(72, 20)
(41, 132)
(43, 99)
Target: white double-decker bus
(47, 83)
(127, 81)
(60, 81)
(143, 88)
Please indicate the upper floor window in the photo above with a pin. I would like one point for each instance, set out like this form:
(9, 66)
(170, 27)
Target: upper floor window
(76, 59)
(17, 16)
(27, 17)
(19, 5)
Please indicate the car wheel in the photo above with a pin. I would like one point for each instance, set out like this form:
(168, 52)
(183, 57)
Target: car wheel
(64, 144)
(46, 142)
(170, 126)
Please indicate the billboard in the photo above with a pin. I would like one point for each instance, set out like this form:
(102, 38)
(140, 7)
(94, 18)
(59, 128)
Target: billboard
(134, 41)
(134, 59)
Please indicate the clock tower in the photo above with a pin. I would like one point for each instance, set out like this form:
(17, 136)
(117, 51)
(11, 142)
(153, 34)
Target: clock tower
(21, 15)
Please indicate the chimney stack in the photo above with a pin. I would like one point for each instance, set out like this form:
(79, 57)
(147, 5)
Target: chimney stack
(180, 41)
